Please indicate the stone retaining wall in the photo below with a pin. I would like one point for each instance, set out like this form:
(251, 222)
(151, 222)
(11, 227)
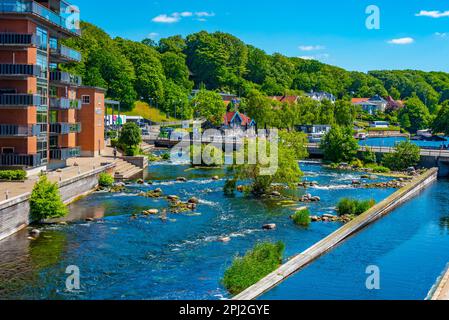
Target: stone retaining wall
(14, 213)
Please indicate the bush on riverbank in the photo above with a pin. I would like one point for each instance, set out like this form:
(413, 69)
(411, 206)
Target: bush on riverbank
(406, 155)
(13, 175)
(105, 180)
(45, 201)
(378, 169)
(302, 218)
(255, 265)
(349, 206)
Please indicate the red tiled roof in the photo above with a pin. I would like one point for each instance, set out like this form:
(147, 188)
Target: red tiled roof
(230, 115)
(289, 99)
(359, 100)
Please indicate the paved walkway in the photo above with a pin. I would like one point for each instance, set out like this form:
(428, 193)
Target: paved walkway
(442, 289)
(84, 165)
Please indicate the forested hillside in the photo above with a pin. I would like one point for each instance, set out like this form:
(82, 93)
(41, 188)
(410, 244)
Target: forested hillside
(164, 73)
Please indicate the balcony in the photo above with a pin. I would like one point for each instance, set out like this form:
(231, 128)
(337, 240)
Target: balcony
(64, 128)
(64, 78)
(19, 40)
(21, 100)
(65, 103)
(62, 54)
(28, 7)
(24, 160)
(19, 70)
(15, 130)
(64, 153)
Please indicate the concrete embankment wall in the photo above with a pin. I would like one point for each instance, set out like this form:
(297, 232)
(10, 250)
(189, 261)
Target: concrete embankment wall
(15, 212)
(298, 262)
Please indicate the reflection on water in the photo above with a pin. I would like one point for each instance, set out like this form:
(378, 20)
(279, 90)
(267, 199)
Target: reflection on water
(145, 258)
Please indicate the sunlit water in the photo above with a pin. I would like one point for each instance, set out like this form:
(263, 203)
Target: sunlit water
(410, 247)
(146, 258)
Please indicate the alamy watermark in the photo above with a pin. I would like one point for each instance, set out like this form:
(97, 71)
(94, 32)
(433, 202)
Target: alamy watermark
(372, 22)
(373, 279)
(72, 282)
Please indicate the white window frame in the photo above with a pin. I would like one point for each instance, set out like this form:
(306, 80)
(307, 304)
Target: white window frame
(85, 96)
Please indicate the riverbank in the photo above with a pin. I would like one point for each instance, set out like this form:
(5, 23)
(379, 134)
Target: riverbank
(440, 291)
(14, 212)
(323, 246)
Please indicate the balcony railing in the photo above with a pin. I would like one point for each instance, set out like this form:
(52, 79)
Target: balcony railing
(15, 130)
(26, 160)
(19, 39)
(64, 153)
(34, 8)
(65, 78)
(64, 128)
(65, 53)
(65, 103)
(12, 70)
(21, 100)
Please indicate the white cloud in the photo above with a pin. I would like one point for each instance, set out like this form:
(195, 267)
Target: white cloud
(442, 34)
(402, 41)
(433, 14)
(163, 18)
(153, 35)
(311, 48)
(322, 57)
(177, 16)
(307, 57)
(204, 14)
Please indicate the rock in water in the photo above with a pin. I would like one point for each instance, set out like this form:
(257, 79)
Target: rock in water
(215, 178)
(181, 179)
(35, 233)
(224, 239)
(269, 226)
(194, 200)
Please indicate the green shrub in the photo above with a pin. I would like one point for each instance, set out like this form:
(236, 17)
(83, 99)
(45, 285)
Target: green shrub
(353, 206)
(13, 175)
(369, 156)
(229, 187)
(406, 154)
(255, 265)
(132, 151)
(153, 157)
(165, 156)
(45, 201)
(115, 143)
(356, 163)
(105, 180)
(302, 218)
(112, 134)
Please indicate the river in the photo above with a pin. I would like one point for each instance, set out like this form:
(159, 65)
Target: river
(147, 258)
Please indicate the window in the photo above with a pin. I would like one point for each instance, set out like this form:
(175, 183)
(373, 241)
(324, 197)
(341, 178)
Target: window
(85, 99)
(7, 150)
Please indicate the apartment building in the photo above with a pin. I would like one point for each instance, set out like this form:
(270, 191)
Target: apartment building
(41, 107)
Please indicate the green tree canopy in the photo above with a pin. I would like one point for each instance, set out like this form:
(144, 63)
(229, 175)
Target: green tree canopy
(340, 145)
(209, 105)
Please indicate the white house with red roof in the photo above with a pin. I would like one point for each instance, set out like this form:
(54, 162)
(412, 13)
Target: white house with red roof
(371, 105)
(237, 120)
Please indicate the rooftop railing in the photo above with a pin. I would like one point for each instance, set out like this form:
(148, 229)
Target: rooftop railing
(32, 7)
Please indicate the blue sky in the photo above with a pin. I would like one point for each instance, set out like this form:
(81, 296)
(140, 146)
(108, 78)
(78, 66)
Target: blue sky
(413, 33)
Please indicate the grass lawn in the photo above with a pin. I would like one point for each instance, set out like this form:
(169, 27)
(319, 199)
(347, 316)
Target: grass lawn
(144, 110)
